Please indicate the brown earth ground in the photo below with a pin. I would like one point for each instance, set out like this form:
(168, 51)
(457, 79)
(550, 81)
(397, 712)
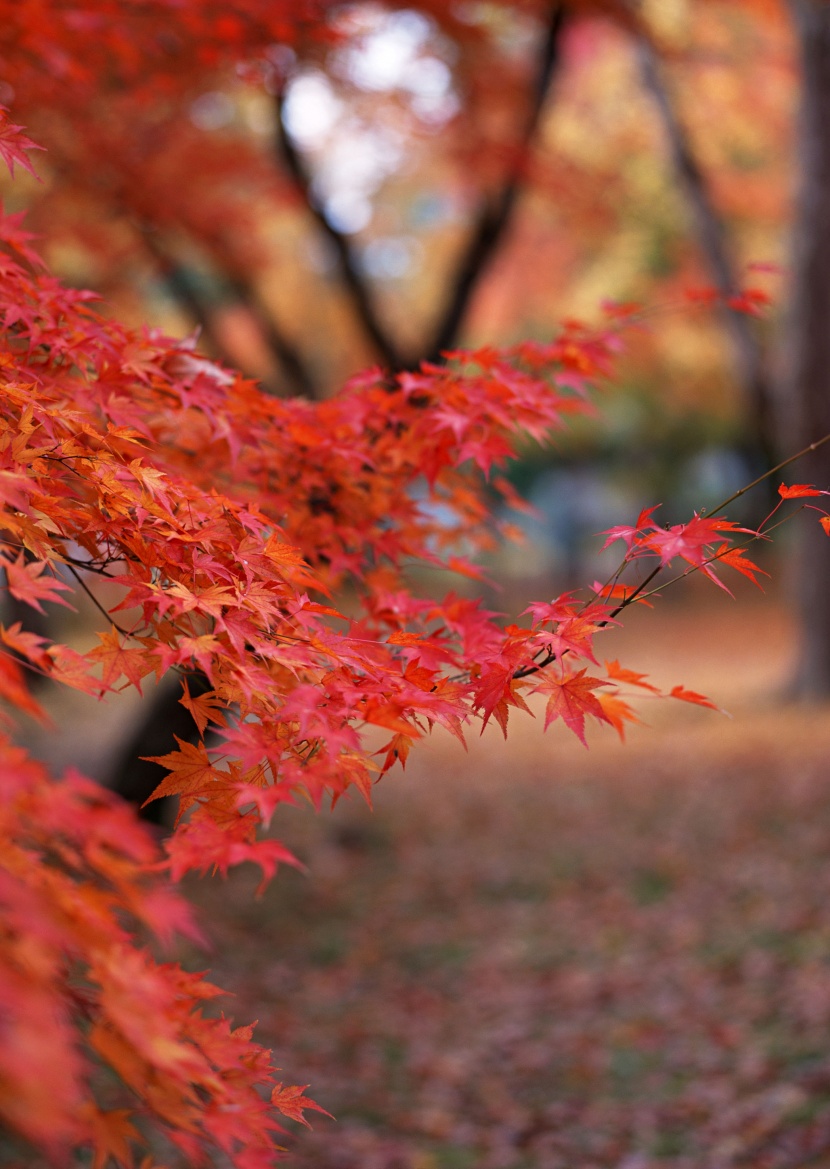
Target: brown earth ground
(535, 955)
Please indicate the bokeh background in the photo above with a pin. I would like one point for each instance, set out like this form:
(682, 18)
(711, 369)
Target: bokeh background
(526, 956)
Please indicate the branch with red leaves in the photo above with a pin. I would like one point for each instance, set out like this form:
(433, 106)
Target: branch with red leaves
(213, 524)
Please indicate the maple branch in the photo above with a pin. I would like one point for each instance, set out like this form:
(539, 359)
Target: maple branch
(496, 212)
(353, 279)
(642, 590)
(719, 555)
(635, 593)
(638, 591)
(182, 289)
(91, 566)
(712, 238)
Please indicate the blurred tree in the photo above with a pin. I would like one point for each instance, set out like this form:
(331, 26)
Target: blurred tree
(806, 401)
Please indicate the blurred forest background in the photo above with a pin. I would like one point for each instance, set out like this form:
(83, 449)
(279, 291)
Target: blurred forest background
(627, 967)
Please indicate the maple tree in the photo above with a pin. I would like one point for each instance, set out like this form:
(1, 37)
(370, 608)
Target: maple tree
(207, 513)
(213, 525)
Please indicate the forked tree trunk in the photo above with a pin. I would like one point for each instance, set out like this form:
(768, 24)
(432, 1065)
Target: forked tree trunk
(805, 402)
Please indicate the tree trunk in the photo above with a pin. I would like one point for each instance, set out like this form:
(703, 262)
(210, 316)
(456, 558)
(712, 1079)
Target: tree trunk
(162, 720)
(805, 414)
(759, 447)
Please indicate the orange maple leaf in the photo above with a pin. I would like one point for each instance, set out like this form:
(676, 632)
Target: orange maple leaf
(619, 674)
(205, 708)
(692, 696)
(28, 645)
(618, 712)
(27, 583)
(111, 1134)
(190, 771)
(735, 558)
(71, 668)
(14, 691)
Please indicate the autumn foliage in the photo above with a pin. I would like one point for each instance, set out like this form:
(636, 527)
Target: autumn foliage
(214, 526)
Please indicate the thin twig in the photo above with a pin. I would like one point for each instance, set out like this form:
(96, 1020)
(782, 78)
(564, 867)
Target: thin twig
(814, 446)
(96, 602)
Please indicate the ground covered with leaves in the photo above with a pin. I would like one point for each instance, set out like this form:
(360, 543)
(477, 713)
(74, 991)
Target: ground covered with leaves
(540, 956)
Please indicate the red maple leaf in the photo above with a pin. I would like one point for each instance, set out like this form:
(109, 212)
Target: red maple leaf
(799, 491)
(14, 144)
(693, 542)
(27, 583)
(571, 698)
(118, 659)
(292, 1103)
(630, 533)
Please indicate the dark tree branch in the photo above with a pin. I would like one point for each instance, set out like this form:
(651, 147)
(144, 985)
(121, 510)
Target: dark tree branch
(492, 222)
(358, 289)
(713, 242)
(496, 213)
(187, 295)
(183, 290)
